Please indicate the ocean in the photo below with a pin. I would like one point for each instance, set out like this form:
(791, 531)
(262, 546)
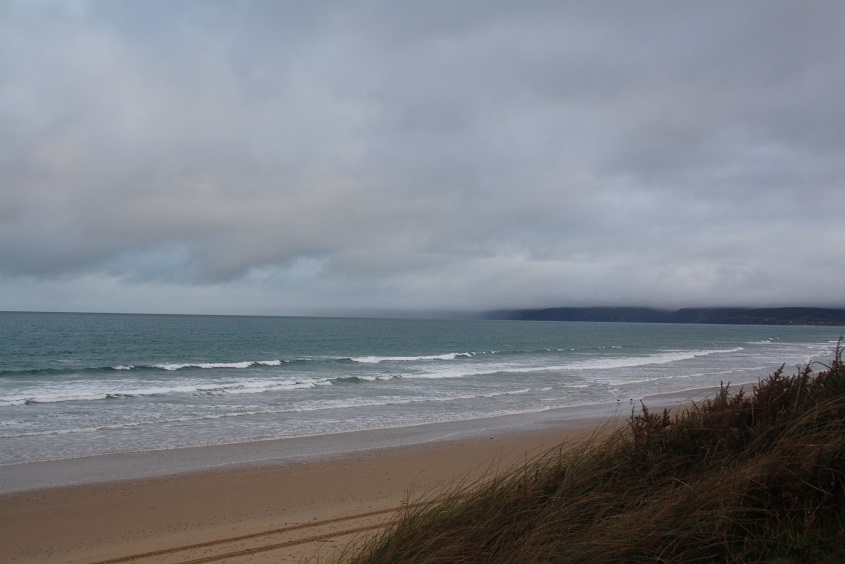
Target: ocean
(76, 385)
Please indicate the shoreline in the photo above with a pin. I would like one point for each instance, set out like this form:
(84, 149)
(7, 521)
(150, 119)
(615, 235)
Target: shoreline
(28, 476)
(75, 510)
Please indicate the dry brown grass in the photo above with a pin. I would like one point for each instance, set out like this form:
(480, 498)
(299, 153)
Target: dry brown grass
(750, 478)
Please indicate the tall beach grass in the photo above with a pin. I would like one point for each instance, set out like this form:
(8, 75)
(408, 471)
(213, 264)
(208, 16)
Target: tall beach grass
(741, 477)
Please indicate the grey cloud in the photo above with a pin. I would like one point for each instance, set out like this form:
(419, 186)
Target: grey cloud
(432, 154)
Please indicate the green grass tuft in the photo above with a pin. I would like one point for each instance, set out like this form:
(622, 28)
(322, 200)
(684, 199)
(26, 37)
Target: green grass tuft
(756, 477)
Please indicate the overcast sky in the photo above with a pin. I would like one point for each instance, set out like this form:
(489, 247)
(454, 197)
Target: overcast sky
(311, 157)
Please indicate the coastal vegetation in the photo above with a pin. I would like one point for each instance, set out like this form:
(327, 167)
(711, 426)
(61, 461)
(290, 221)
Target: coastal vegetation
(741, 477)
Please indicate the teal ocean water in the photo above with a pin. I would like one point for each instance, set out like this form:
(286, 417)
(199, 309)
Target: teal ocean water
(74, 385)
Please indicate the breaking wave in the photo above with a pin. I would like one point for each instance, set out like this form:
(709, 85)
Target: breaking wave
(378, 359)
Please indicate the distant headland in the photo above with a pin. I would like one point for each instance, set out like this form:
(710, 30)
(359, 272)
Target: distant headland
(716, 315)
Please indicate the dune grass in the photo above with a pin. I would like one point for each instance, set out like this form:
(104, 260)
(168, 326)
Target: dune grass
(756, 477)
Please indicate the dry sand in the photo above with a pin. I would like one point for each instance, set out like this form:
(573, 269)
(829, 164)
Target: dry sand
(119, 520)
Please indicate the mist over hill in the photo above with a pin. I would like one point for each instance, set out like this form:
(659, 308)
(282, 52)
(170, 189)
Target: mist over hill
(726, 315)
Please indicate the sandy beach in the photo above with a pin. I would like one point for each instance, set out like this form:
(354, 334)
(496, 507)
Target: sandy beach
(299, 507)
(280, 505)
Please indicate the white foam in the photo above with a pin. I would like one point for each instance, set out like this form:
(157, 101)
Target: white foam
(378, 359)
(74, 397)
(115, 427)
(12, 401)
(372, 378)
(657, 358)
(259, 387)
(102, 390)
(96, 391)
(211, 365)
(607, 363)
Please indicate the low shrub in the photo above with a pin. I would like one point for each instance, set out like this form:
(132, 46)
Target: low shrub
(756, 477)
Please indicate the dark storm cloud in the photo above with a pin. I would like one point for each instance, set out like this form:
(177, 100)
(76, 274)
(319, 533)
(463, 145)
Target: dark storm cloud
(388, 154)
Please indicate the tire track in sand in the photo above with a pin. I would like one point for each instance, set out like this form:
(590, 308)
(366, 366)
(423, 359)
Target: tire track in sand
(183, 553)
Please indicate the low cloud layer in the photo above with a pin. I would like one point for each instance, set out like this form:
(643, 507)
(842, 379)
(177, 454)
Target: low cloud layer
(270, 157)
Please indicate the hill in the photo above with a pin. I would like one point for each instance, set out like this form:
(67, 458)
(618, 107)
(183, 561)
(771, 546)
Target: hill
(728, 316)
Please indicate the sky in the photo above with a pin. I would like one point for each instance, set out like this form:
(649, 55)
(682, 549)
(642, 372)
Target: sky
(340, 157)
